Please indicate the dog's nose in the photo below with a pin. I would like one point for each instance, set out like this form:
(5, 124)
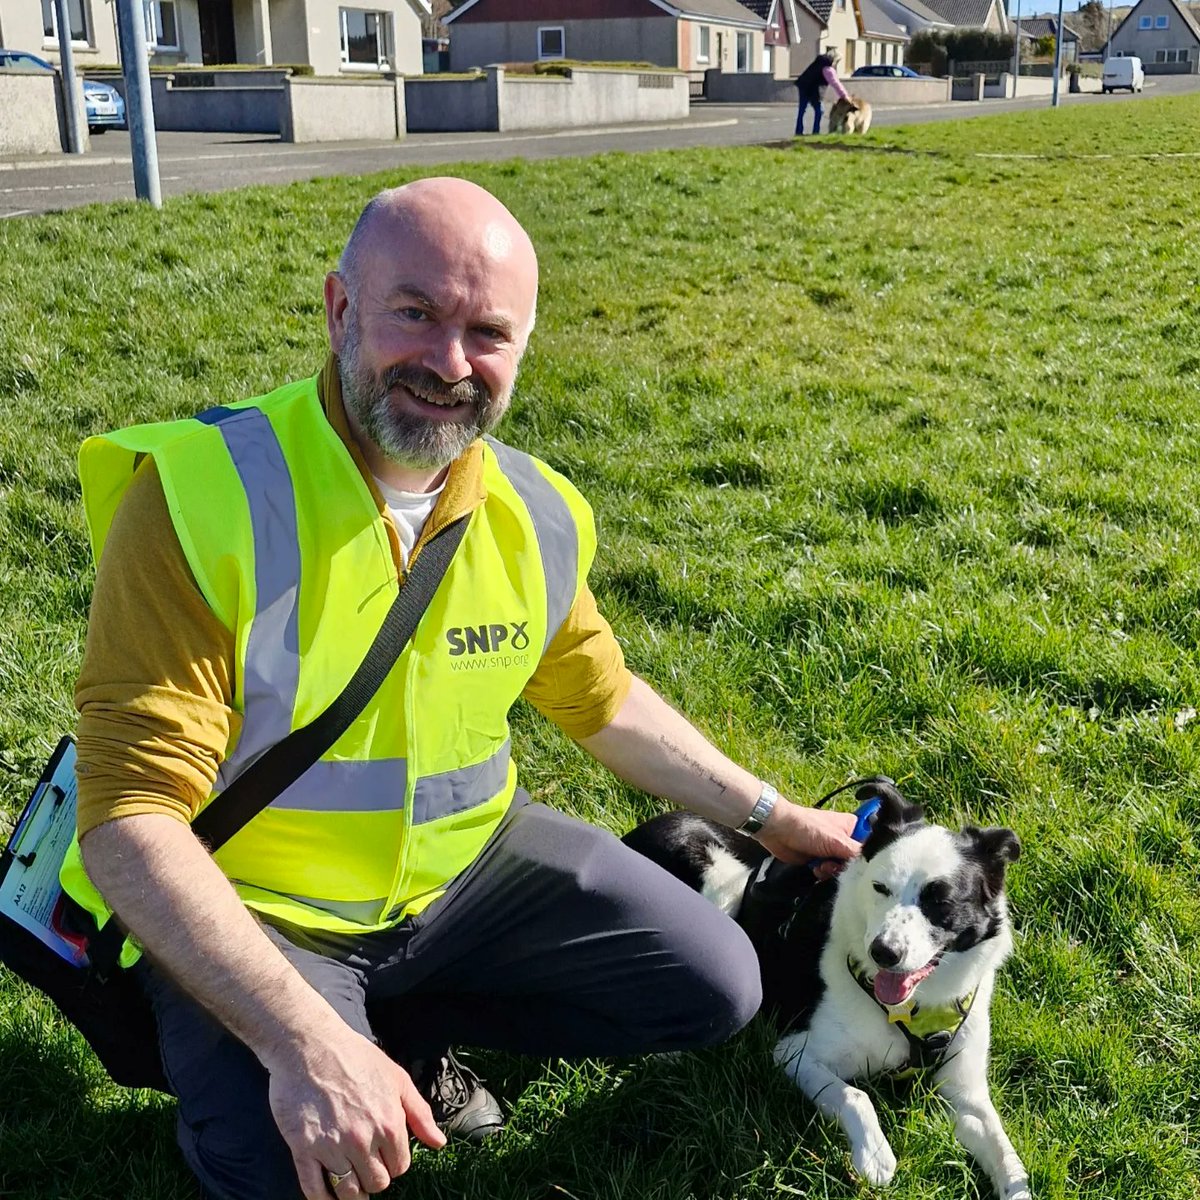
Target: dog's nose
(883, 954)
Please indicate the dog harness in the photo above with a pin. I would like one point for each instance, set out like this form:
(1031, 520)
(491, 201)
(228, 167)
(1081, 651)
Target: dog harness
(929, 1031)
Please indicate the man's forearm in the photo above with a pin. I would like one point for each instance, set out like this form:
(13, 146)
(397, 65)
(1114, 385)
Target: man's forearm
(160, 881)
(651, 746)
(655, 748)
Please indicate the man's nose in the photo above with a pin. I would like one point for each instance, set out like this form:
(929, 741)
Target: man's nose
(446, 356)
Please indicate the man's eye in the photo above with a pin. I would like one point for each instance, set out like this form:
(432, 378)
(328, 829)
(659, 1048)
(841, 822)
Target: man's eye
(410, 313)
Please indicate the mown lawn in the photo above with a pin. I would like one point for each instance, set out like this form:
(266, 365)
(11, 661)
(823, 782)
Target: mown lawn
(893, 447)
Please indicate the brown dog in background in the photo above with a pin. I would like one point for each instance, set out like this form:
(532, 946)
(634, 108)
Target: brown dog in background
(852, 116)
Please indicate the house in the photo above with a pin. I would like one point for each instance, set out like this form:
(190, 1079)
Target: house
(861, 34)
(793, 38)
(1163, 34)
(692, 35)
(332, 38)
(1036, 28)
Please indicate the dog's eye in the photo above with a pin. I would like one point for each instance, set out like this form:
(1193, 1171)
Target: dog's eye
(881, 889)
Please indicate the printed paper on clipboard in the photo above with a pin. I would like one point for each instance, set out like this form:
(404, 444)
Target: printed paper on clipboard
(30, 894)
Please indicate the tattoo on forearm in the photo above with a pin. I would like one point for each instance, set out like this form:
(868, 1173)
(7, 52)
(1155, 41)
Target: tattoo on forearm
(688, 762)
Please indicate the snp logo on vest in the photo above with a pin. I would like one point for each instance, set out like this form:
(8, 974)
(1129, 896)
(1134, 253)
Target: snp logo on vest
(484, 647)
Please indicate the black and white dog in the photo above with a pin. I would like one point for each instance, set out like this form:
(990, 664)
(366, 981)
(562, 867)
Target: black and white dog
(887, 967)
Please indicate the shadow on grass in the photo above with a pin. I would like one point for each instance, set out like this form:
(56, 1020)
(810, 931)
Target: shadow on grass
(65, 1131)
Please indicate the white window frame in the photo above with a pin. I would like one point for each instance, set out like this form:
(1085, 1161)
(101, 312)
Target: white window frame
(1145, 22)
(383, 39)
(154, 24)
(51, 42)
(744, 46)
(703, 43)
(562, 42)
(1162, 22)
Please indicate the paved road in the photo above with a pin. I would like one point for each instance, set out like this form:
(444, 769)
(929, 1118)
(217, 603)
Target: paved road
(205, 162)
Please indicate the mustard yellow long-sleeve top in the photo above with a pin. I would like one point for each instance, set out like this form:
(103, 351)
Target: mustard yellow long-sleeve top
(155, 692)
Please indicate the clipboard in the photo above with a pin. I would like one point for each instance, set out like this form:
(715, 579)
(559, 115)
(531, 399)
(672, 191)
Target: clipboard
(30, 893)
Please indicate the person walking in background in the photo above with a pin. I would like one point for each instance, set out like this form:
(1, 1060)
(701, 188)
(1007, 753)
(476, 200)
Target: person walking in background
(818, 74)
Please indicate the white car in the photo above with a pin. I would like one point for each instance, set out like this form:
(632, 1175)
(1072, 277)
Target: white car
(1125, 72)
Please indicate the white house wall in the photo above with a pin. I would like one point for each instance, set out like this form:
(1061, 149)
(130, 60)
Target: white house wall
(290, 38)
(21, 26)
(1128, 39)
(325, 35)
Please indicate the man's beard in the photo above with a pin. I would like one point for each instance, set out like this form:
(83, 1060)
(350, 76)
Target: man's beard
(405, 438)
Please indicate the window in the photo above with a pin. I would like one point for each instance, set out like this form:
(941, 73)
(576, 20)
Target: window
(365, 41)
(76, 14)
(702, 52)
(1145, 22)
(1161, 22)
(743, 53)
(867, 54)
(552, 42)
(162, 32)
(1171, 56)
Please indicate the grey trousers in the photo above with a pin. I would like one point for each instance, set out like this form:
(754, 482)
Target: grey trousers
(558, 941)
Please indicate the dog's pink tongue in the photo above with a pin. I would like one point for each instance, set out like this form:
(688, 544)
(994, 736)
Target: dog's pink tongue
(894, 987)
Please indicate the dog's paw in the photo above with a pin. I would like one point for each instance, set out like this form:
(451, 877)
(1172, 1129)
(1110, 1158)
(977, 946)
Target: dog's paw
(1017, 1190)
(874, 1161)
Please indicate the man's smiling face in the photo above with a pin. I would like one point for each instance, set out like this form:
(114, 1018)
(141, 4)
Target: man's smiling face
(429, 317)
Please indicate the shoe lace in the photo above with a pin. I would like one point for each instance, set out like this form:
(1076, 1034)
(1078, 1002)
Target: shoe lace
(453, 1086)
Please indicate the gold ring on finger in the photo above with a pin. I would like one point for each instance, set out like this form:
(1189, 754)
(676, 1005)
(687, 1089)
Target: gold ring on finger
(336, 1179)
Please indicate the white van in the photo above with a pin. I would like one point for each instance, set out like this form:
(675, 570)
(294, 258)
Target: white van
(1125, 72)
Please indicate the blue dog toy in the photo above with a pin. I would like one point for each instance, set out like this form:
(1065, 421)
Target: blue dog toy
(865, 816)
(866, 813)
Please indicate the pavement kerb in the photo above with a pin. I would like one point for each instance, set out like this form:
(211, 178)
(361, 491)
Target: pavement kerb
(64, 160)
(79, 160)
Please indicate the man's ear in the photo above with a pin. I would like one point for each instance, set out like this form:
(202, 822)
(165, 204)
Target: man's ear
(337, 304)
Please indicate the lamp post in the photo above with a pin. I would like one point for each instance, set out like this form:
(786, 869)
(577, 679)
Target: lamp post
(70, 81)
(1017, 52)
(1057, 54)
(139, 111)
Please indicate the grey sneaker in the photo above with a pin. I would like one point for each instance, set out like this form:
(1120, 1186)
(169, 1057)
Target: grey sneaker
(462, 1107)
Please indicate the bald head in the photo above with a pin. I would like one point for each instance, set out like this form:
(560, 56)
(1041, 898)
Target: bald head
(453, 219)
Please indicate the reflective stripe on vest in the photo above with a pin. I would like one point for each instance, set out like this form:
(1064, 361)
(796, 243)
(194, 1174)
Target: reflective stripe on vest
(378, 785)
(557, 536)
(272, 668)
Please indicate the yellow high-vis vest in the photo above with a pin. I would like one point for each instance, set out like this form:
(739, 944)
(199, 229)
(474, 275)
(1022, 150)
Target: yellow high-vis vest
(289, 549)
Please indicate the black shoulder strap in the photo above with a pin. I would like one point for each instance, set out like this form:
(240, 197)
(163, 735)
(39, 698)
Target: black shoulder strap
(276, 770)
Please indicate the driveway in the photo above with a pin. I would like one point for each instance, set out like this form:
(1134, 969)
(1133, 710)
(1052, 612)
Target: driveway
(207, 162)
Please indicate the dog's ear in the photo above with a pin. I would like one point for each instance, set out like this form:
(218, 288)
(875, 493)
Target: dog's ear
(993, 848)
(896, 816)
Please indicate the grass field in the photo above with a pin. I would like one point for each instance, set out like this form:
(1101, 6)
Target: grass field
(893, 448)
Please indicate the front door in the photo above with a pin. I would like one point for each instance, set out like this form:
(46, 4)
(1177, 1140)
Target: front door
(216, 32)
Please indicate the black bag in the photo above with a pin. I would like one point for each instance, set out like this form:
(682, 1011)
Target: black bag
(106, 1003)
(111, 1011)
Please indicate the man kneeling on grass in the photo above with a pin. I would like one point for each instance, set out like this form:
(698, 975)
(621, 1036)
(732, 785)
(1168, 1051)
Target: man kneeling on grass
(404, 895)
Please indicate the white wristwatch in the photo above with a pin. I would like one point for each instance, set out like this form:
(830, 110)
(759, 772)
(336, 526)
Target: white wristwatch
(763, 807)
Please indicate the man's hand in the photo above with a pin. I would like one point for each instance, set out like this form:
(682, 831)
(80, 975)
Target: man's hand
(795, 835)
(348, 1107)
